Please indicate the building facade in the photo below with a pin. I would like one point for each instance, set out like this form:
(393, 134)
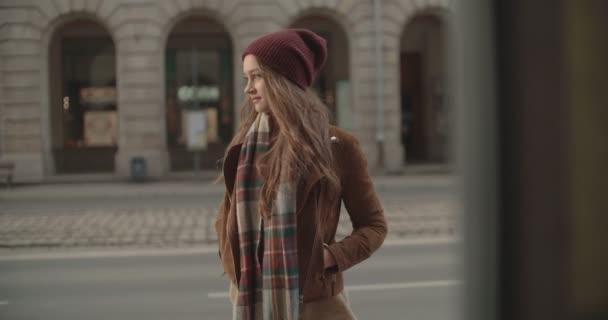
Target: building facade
(86, 86)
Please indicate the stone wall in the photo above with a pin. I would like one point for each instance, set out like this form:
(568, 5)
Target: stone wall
(140, 29)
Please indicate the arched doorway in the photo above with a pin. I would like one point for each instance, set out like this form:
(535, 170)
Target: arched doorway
(198, 64)
(423, 77)
(333, 82)
(84, 120)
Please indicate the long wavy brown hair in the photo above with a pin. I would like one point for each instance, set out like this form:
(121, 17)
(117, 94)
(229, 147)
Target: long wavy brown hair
(300, 137)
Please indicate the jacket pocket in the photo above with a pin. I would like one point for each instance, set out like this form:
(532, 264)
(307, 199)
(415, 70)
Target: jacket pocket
(329, 276)
(315, 283)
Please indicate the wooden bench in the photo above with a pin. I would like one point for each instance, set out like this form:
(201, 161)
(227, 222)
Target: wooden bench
(6, 171)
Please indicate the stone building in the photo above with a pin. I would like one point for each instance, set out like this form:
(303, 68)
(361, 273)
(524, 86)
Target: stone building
(88, 85)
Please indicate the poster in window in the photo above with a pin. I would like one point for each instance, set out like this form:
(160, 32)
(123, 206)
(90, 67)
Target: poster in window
(100, 128)
(196, 129)
(96, 97)
(200, 128)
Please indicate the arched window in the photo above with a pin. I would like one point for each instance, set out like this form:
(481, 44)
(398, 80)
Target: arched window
(199, 110)
(424, 126)
(333, 82)
(84, 119)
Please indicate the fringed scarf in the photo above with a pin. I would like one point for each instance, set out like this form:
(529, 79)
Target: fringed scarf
(267, 289)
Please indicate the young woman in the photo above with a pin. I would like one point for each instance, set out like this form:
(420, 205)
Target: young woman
(287, 171)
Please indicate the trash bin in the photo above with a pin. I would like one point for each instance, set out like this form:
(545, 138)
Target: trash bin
(138, 169)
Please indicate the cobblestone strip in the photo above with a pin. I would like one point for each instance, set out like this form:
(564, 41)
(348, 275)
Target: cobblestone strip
(183, 227)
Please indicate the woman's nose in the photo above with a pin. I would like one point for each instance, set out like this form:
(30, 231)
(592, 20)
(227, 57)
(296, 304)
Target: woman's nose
(248, 87)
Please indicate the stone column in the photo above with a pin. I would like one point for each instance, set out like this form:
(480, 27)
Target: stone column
(20, 119)
(140, 82)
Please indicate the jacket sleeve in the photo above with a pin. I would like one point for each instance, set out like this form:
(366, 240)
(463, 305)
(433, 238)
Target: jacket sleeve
(363, 207)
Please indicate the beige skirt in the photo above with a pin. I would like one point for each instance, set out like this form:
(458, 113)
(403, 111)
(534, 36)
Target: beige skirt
(334, 308)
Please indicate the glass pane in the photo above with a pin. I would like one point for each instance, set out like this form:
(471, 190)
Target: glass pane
(193, 83)
(89, 92)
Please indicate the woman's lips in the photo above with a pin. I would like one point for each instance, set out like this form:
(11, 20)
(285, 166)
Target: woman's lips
(256, 99)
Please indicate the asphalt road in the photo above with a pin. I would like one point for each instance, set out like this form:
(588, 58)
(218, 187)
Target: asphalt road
(414, 281)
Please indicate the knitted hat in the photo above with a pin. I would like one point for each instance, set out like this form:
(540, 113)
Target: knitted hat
(296, 54)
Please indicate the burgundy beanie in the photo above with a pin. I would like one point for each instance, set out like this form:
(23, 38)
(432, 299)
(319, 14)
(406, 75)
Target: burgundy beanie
(296, 54)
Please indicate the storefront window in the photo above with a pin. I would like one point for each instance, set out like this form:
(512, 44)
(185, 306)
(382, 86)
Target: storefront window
(424, 125)
(198, 96)
(332, 83)
(84, 120)
(89, 87)
(193, 82)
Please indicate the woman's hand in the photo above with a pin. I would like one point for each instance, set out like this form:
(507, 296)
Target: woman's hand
(328, 259)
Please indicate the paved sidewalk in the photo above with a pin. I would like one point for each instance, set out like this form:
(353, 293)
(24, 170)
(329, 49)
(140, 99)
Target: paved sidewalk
(112, 189)
(178, 225)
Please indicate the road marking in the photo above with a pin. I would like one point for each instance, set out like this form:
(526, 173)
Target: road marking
(376, 287)
(3, 303)
(217, 295)
(404, 285)
(93, 253)
(421, 241)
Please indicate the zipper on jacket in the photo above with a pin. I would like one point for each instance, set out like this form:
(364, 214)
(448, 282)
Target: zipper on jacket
(314, 250)
(333, 275)
(309, 271)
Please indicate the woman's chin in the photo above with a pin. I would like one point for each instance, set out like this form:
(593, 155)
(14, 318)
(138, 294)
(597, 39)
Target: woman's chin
(260, 108)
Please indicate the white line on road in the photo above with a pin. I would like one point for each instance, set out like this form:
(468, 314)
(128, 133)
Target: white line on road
(421, 241)
(376, 287)
(3, 303)
(404, 285)
(216, 295)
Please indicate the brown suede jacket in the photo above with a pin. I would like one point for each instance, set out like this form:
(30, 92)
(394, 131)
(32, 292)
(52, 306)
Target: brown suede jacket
(317, 220)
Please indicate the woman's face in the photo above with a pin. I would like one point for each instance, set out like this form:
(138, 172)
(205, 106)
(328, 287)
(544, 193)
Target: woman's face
(255, 86)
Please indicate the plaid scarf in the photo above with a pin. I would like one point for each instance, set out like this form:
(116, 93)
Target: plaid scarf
(267, 289)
